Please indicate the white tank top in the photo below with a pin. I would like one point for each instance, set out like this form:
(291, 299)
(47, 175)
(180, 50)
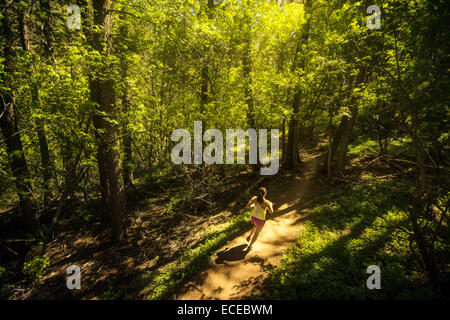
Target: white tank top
(259, 212)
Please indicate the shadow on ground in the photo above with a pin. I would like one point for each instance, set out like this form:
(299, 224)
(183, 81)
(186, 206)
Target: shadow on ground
(234, 254)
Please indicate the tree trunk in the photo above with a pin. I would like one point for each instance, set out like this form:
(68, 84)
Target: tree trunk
(333, 145)
(329, 153)
(283, 141)
(425, 252)
(47, 163)
(346, 136)
(102, 94)
(128, 157)
(247, 69)
(46, 28)
(338, 135)
(204, 87)
(35, 99)
(18, 163)
(45, 160)
(10, 130)
(292, 158)
(348, 130)
(101, 163)
(205, 69)
(380, 140)
(127, 139)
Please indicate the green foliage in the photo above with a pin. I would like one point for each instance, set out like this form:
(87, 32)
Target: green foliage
(173, 203)
(4, 290)
(348, 230)
(84, 215)
(37, 267)
(363, 146)
(235, 65)
(113, 293)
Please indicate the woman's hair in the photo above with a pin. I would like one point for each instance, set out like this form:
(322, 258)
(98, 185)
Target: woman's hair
(261, 194)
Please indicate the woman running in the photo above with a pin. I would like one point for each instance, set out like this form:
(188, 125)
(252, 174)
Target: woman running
(260, 204)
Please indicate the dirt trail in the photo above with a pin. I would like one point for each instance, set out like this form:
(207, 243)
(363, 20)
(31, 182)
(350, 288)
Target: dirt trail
(233, 273)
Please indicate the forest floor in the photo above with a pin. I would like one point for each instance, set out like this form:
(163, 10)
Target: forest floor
(317, 245)
(235, 273)
(157, 237)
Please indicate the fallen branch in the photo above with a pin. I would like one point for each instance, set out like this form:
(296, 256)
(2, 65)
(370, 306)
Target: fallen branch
(372, 161)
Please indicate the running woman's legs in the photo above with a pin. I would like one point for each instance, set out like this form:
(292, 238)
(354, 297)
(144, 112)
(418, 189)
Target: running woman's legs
(255, 236)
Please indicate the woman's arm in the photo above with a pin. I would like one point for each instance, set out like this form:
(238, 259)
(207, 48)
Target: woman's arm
(252, 201)
(269, 206)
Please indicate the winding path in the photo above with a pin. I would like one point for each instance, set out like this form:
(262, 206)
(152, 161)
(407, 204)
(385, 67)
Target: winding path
(232, 272)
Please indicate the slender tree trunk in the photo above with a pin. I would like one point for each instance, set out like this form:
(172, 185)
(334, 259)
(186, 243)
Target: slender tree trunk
(418, 149)
(380, 140)
(283, 140)
(330, 152)
(36, 102)
(128, 157)
(345, 140)
(205, 69)
(35, 99)
(46, 28)
(385, 143)
(292, 158)
(47, 163)
(127, 139)
(425, 252)
(204, 86)
(247, 69)
(45, 159)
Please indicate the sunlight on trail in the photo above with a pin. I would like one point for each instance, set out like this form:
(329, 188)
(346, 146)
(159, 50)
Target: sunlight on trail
(234, 273)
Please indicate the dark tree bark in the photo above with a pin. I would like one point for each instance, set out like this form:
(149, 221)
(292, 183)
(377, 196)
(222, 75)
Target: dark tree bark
(338, 135)
(47, 163)
(292, 158)
(283, 140)
(425, 251)
(348, 129)
(204, 86)
(47, 28)
(127, 150)
(247, 69)
(9, 126)
(35, 99)
(45, 155)
(126, 134)
(345, 140)
(205, 68)
(102, 94)
(248, 94)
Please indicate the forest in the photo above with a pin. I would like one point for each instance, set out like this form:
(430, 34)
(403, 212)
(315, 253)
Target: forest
(101, 167)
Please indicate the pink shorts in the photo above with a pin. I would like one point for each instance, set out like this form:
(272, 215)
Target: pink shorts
(258, 222)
